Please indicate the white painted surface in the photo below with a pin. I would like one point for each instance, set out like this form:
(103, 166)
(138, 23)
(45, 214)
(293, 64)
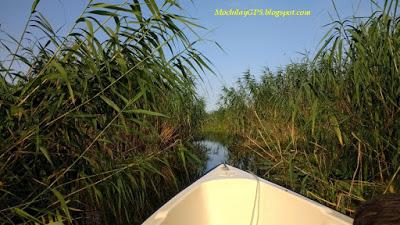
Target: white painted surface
(235, 197)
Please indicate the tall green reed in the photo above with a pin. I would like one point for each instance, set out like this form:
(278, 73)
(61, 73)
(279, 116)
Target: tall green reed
(329, 127)
(98, 118)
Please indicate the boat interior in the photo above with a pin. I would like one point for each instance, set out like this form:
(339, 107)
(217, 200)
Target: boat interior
(229, 196)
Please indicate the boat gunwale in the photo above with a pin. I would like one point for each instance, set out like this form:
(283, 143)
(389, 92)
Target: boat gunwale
(212, 176)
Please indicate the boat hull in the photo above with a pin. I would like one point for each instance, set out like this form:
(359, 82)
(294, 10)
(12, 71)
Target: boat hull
(229, 196)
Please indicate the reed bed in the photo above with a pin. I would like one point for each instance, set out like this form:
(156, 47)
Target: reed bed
(329, 127)
(96, 124)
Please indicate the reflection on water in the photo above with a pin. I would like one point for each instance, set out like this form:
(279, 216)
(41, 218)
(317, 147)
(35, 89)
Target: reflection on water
(216, 154)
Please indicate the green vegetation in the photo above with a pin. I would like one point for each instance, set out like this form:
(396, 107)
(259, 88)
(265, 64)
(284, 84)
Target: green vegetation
(327, 128)
(96, 124)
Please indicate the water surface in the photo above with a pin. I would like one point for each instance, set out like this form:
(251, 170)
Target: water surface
(216, 154)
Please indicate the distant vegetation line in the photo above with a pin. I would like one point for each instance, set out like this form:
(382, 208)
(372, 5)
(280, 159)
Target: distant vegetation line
(328, 128)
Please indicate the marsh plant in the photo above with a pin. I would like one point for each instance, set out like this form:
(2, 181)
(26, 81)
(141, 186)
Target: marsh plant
(328, 128)
(95, 123)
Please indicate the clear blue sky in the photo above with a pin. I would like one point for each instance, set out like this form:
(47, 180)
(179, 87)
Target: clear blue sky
(249, 43)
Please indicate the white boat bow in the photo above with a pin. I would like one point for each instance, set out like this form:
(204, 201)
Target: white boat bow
(229, 196)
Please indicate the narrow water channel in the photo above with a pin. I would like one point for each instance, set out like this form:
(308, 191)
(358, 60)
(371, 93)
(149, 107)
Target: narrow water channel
(216, 152)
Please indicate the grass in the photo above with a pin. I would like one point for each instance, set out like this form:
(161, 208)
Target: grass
(93, 122)
(327, 127)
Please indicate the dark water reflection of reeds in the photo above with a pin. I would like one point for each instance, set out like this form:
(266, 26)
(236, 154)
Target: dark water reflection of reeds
(217, 153)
